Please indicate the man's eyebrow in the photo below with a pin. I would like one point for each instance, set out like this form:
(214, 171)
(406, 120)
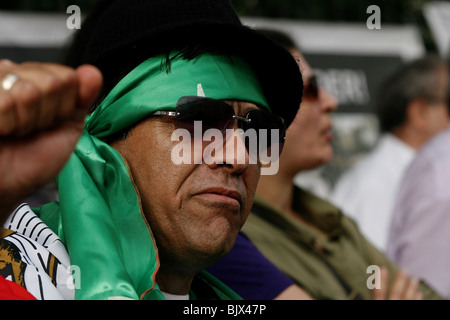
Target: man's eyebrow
(243, 107)
(246, 108)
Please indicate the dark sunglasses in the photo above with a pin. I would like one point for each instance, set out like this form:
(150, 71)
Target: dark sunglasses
(217, 114)
(311, 89)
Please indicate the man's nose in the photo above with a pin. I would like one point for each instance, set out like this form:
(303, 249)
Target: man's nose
(232, 153)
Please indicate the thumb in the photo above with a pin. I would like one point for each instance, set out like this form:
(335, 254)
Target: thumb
(90, 81)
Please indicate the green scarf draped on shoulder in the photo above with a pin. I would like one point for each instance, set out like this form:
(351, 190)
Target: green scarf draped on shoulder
(99, 215)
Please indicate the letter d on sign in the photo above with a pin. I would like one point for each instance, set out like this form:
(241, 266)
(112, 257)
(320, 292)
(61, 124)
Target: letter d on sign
(374, 21)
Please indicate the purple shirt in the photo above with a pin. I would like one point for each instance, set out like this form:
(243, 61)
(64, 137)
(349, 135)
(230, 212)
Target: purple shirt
(419, 239)
(249, 273)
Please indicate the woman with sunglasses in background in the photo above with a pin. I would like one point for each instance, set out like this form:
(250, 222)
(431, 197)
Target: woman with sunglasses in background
(308, 239)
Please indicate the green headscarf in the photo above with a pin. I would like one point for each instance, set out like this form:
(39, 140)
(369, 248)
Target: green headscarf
(99, 215)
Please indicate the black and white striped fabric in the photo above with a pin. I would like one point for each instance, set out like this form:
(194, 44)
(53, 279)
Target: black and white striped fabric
(33, 256)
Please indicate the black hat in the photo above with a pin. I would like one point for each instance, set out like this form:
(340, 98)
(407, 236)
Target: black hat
(124, 32)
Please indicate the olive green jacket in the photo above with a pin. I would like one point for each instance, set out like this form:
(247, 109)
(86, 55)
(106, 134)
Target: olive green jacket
(333, 263)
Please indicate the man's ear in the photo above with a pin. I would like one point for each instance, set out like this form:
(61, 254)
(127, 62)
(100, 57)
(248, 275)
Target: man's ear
(417, 114)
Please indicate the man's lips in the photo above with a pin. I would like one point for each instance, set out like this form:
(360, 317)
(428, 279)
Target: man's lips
(221, 195)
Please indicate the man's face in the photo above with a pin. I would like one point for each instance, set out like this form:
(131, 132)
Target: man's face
(195, 210)
(437, 115)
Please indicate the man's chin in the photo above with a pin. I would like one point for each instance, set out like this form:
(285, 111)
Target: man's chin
(216, 250)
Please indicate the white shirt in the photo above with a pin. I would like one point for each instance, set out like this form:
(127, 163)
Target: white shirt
(171, 296)
(367, 191)
(419, 239)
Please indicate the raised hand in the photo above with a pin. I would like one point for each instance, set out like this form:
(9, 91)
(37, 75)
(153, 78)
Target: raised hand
(42, 111)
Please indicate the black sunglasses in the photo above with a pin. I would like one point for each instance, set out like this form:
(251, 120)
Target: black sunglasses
(311, 89)
(217, 114)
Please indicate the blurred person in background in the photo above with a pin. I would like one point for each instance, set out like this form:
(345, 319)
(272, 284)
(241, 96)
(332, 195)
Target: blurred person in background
(307, 238)
(419, 237)
(411, 108)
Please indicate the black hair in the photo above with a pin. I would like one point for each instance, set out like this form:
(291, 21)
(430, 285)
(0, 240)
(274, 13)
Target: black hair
(416, 79)
(279, 37)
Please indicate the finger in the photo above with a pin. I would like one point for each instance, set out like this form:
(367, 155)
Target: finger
(399, 285)
(412, 291)
(5, 63)
(19, 101)
(45, 94)
(26, 99)
(90, 82)
(8, 116)
(68, 88)
(50, 91)
(418, 295)
(381, 293)
(8, 120)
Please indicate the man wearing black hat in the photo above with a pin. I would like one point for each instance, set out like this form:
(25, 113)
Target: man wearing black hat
(135, 223)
